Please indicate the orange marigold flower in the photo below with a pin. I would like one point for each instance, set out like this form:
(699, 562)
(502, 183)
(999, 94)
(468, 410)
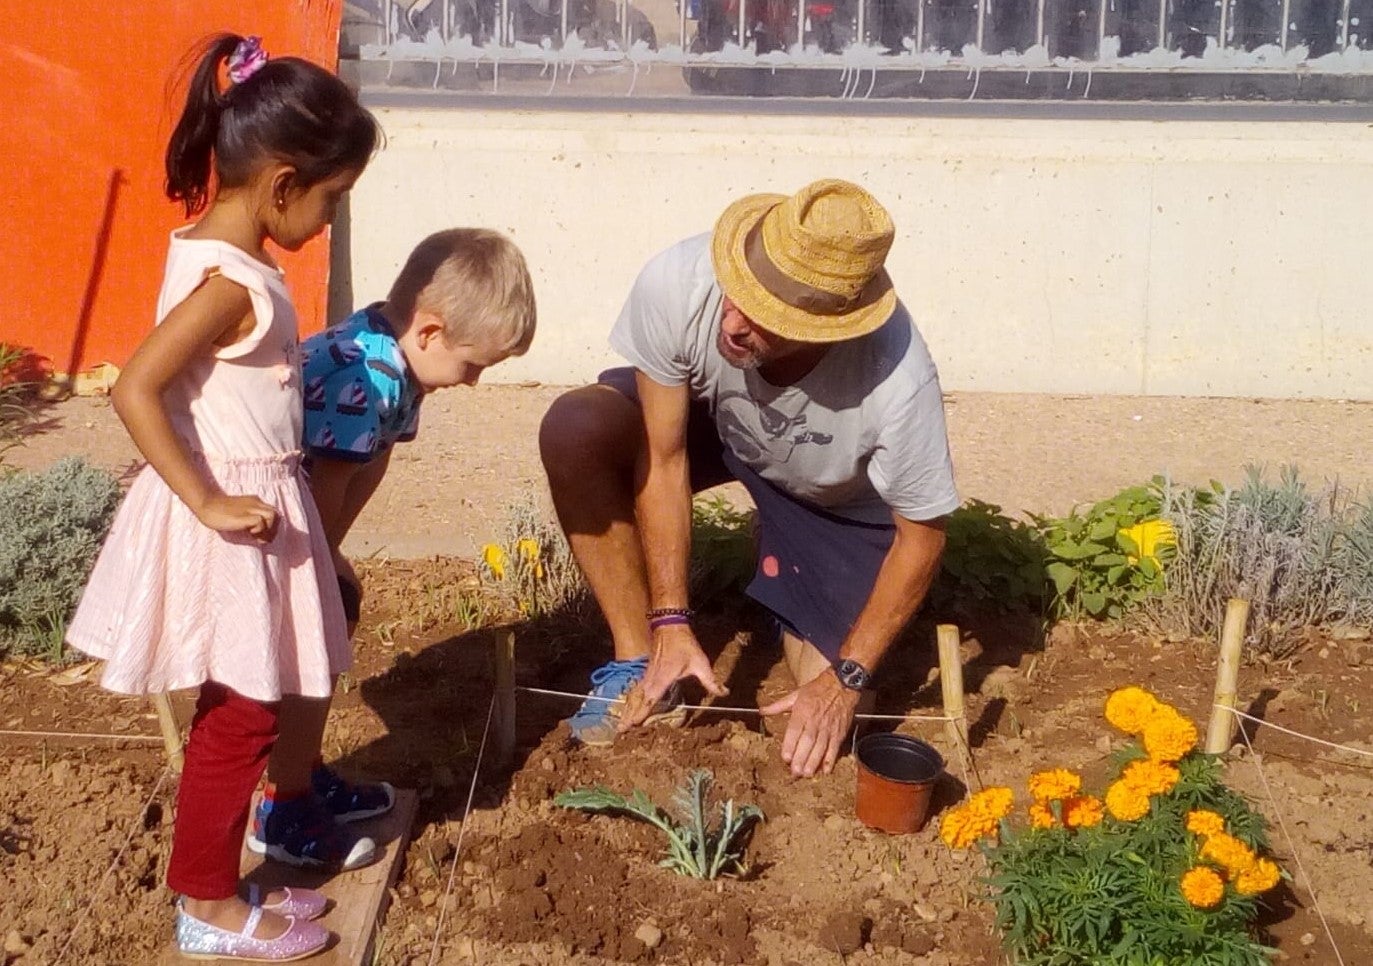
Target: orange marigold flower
(1042, 815)
(1204, 823)
(1054, 784)
(1168, 736)
(1151, 777)
(993, 803)
(1130, 709)
(1126, 802)
(962, 827)
(1259, 877)
(1229, 853)
(1202, 887)
(1082, 811)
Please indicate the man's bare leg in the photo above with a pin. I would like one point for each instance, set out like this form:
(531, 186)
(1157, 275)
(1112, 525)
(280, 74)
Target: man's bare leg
(589, 442)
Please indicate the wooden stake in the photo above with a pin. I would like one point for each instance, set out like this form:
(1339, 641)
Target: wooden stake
(1222, 728)
(951, 683)
(505, 697)
(171, 731)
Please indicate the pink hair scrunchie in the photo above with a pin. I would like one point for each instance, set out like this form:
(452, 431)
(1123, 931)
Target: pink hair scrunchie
(247, 59)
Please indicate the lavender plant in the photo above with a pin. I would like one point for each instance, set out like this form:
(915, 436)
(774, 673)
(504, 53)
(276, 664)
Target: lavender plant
(50, 535)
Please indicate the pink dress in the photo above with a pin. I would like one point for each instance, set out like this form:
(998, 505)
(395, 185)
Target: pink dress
(171, 603)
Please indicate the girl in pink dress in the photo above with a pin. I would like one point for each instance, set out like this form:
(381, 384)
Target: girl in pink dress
(216, 573)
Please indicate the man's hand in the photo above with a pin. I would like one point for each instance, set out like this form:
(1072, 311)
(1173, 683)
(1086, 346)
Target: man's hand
(821, 714)
(676, 655)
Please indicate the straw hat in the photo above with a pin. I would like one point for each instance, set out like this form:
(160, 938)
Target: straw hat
(808, 267)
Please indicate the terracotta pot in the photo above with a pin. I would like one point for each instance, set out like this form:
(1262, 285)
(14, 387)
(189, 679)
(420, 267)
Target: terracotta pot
(896, 777)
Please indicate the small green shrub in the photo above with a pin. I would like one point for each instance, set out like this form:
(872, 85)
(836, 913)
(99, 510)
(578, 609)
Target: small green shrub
(1108, 559)
(990, 560)
(694, 847)
(50, 535)
(723, 553)
(1301, 558)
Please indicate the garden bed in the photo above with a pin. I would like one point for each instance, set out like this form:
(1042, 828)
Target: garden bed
(538, 883)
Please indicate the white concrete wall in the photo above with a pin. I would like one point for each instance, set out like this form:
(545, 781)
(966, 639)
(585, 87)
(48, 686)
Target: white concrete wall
(1065, 256)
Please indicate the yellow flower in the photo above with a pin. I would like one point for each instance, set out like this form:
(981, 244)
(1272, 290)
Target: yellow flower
(1168, 736)
(1151, 777)
(1229, 853)
(1042, 815)
(1259, 877)
(529, 550)
(1083, 811)
(1053, 785)
(994, 803)
(1126, 802)
(1204, 823)
(1202, 887)
(979, 817)
(1150, 536)
(1130, 709)
(494, 558)
(961, 827)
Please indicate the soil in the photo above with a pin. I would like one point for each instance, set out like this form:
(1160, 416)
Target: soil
(85, 823)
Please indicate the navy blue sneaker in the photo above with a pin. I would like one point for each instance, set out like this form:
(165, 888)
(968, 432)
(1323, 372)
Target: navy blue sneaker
(596, 722)
(301, 832)
(348, 801)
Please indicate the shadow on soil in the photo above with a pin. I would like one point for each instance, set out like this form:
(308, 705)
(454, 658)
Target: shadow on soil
(434, 703)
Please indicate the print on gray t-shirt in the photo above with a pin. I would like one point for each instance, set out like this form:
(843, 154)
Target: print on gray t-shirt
(862, 434)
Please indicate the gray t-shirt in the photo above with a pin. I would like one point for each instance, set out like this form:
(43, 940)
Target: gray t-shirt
(862, 434)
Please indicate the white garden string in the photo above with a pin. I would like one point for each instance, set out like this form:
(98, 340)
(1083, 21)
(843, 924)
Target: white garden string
(133, 830)
(78, 734)
(965, 760)
(1282, 824)
(462, 830)
(1295, 734)
(730, 710)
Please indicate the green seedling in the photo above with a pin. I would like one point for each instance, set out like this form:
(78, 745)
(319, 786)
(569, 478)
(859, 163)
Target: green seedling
(694, 848)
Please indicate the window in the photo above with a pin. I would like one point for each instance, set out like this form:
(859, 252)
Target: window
(1275, 50)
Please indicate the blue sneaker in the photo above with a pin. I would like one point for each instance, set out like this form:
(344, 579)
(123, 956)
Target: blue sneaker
(350, 802)
(596, 722)
(301, 832)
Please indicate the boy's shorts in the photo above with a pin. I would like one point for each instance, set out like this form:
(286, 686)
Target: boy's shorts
(815, 569)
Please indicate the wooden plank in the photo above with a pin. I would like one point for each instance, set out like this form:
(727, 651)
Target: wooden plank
(357, 899)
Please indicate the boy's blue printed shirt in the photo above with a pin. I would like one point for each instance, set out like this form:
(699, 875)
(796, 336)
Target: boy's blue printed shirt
(360, 397)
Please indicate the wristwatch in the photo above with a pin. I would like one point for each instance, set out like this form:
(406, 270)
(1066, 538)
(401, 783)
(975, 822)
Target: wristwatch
(852, 675)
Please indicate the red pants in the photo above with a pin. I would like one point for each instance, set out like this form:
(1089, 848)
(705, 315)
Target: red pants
(231, 738)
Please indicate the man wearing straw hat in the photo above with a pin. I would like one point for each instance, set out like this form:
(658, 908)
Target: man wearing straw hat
(772, 351)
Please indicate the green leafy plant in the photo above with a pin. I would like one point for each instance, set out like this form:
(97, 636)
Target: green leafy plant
(723, 554)
(50, 534)
(1107, 559)
(1167, 866)
(694, 847)
(991, 560)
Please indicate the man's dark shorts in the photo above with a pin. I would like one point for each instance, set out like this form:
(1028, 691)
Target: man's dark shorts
(815, 569)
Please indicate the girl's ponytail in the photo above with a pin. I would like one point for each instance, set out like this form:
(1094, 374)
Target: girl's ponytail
(190, 150)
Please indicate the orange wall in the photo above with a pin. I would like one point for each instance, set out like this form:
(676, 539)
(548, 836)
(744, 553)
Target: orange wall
(85, 112)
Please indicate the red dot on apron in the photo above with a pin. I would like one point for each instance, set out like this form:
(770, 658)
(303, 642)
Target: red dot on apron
(770, 566)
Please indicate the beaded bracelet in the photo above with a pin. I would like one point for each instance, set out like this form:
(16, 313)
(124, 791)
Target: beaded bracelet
(656, 612)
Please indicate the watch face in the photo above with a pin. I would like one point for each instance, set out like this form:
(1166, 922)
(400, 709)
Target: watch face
(852, 675)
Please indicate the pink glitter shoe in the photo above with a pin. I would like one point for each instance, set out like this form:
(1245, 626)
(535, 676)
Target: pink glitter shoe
(200, 940)
(297, 904)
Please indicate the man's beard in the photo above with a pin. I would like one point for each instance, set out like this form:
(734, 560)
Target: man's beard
(751, 359)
